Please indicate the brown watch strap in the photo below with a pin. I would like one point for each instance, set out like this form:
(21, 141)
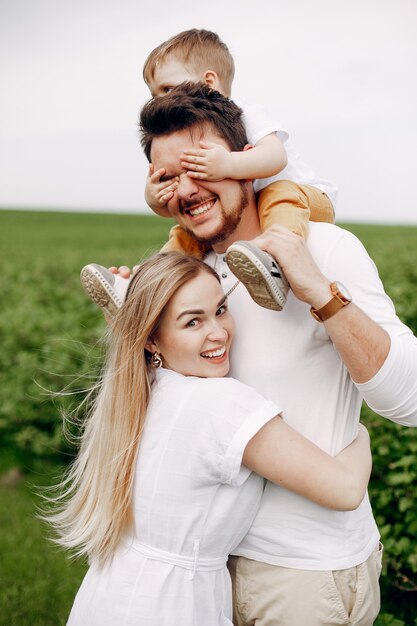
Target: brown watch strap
(333, 306)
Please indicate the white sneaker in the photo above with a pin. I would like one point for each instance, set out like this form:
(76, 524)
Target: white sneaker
(106, 289)
(260, 273)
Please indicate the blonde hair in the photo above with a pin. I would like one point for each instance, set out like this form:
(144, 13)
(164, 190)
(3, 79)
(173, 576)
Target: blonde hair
(199, 50)
(93, 508)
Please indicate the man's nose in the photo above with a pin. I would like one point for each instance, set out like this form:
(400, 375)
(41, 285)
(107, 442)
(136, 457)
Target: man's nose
(187, 186)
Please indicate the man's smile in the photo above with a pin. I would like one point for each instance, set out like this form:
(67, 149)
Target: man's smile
(209, 211)
(196, 209)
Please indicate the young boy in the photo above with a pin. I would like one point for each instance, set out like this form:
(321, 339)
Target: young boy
(288, 192)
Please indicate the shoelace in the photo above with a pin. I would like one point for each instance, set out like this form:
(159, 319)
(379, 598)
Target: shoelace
(234, 286)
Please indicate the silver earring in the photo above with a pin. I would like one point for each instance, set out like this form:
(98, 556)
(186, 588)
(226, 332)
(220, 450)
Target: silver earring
(156, 360)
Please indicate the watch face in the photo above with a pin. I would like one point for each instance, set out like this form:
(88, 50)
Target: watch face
(344, 291)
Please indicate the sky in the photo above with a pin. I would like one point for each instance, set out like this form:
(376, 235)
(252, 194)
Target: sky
(340, 76)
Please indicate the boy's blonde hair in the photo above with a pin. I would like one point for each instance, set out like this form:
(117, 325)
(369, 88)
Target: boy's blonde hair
(199, 50)
(93, 508)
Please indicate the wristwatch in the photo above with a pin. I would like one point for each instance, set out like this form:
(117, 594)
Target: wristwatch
(341, 297)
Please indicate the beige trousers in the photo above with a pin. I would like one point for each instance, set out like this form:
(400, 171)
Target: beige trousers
(267, 595)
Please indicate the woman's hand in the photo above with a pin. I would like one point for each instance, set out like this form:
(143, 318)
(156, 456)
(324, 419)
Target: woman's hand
(123, 270)
(283, 456)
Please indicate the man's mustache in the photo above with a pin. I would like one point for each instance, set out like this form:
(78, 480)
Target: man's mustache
(190, 204)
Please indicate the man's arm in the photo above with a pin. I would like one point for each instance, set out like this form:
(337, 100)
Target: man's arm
(376, 350)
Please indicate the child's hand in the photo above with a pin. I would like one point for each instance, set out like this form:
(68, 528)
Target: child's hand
(212, 162)
(158, 193)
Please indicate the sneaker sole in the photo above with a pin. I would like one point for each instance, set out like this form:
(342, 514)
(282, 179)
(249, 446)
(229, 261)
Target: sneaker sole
(99, 290)
(251, 272)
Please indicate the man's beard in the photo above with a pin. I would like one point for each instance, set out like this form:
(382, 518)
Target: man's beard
(229, 221)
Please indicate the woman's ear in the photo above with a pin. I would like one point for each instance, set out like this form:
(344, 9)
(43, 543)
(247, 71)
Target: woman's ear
(211, 79)
(151, 346)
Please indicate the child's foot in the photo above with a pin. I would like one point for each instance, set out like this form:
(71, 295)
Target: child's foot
(260, 274)
(106, 289)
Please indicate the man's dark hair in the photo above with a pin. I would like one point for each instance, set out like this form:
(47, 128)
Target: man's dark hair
(192, 105)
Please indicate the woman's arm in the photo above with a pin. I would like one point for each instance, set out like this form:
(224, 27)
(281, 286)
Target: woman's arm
(283, 456)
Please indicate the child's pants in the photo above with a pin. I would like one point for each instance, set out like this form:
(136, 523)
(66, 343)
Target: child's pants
(284, 202)
(292, 205)
(181, 241)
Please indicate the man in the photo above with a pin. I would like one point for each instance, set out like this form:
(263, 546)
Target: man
(301, 564)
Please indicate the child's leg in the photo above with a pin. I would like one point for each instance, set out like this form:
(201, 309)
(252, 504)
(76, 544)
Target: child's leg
(290, 205)
(181, 241)
(293, 205)
(321, 208)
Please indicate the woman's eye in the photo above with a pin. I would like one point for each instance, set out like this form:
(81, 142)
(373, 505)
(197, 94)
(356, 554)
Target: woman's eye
(221, 310)
(167, 89)
(192, 323)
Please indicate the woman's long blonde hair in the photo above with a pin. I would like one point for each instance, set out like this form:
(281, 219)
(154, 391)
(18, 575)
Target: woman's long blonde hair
(93, 509)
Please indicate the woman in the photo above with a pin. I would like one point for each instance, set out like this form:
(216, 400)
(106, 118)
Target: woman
(164, 486)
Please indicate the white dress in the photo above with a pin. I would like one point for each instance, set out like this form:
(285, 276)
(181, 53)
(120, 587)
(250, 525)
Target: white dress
(193, 503)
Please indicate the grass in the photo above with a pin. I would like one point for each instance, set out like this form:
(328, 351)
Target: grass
(47, 327)
(37, 580)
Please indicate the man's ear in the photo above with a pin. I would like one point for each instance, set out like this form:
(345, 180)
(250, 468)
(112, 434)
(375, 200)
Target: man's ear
(211, 79)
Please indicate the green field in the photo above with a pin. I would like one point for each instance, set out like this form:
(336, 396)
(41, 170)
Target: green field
(50, 336)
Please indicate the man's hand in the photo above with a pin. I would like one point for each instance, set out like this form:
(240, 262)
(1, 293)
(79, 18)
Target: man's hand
(212, 162)
(158, 193)
(306, 280)
(123, 270)
(362, 344)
